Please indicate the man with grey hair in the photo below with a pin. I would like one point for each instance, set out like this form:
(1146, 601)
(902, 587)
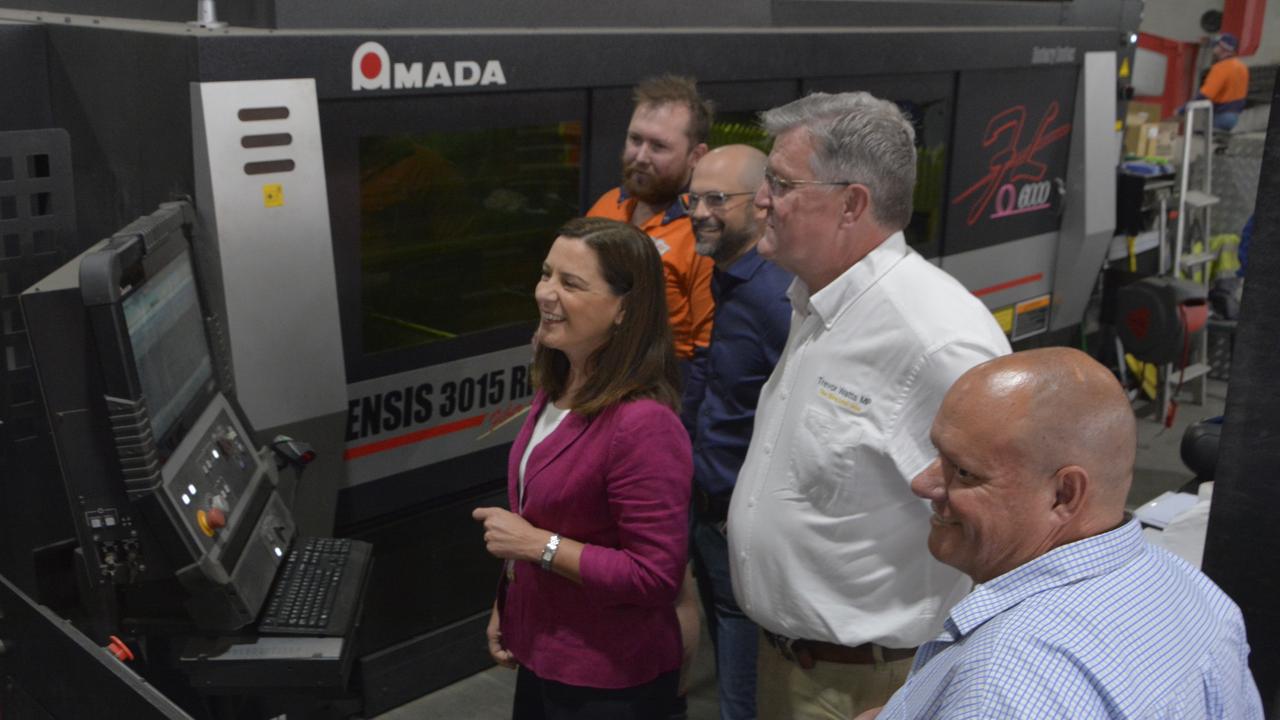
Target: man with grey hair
(826, 539)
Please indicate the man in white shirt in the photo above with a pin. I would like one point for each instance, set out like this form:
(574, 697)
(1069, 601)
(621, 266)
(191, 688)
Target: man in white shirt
(827, 541)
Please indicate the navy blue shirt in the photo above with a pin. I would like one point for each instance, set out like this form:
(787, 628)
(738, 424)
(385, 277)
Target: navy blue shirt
(752, 318)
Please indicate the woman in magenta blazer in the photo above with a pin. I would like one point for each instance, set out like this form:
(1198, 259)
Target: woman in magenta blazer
(599, 482)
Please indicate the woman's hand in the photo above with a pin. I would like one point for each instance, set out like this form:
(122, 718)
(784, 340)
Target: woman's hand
(500, 655)
(509, 536)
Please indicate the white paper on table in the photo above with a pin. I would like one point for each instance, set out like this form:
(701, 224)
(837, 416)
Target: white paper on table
(1161, 511)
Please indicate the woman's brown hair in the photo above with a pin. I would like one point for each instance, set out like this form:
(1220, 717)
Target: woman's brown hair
(638, 359)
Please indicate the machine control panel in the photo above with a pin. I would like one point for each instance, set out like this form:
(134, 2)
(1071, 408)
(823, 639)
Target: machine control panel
(208, 486)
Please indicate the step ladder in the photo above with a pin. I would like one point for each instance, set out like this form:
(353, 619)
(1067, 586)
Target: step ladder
(1194, 204)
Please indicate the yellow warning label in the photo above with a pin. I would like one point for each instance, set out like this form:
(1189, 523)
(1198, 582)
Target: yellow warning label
(1004, 316)
(273, 195)
(1119, 126)
(1124, 68)
(1032, 304)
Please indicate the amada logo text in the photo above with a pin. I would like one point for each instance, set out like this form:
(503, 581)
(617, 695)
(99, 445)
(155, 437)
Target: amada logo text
(372, 69)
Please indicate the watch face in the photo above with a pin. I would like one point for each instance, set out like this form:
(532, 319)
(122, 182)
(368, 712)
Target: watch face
(549, 552)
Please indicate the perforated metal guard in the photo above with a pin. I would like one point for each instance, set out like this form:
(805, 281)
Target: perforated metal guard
(37, 235)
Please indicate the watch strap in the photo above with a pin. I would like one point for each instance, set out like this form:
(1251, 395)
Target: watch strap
(549, 552)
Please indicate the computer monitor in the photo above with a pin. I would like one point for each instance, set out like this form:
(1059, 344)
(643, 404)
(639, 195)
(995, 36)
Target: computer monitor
(170, 351)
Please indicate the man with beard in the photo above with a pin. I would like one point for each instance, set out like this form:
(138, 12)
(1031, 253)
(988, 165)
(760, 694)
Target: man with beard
(665, 139)
(751, 319)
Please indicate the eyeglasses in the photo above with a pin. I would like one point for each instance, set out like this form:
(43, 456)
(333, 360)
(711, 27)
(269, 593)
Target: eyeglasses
(778, 186)
(715, 200)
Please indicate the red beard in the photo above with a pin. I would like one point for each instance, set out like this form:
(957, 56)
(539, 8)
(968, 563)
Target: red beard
(649, 187)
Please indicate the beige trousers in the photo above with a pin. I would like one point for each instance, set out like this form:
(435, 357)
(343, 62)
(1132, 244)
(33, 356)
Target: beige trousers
(828, 691)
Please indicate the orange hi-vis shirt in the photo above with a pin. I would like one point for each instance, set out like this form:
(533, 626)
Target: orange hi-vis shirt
(689, 304)
(1226, 85)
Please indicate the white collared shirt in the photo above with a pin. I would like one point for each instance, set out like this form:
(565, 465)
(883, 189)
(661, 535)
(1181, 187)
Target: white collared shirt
(826, 539)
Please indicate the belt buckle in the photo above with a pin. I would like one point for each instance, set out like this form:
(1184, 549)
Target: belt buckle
(781, 644)
(786, 646)
(793, 652)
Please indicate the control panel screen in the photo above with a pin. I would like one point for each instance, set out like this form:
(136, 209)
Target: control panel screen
(169, 346)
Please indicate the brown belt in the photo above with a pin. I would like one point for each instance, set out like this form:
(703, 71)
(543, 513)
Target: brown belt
(806, 653)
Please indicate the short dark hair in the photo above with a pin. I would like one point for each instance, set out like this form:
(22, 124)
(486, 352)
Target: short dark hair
(681, 90)
(638, 359)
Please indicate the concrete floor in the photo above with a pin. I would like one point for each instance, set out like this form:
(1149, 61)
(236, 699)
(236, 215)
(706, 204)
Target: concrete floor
(487, 695)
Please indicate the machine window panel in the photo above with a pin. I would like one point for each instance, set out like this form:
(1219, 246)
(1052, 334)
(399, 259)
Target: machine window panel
(454, 227)
(739, 128)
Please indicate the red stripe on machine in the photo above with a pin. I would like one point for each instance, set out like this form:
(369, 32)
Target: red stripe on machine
(1009, 284)
(413, 437)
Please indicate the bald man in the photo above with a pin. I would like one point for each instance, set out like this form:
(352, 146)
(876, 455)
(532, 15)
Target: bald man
(752, 315)
(1074, 615)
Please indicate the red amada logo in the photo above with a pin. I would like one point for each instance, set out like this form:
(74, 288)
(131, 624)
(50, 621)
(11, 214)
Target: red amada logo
(372, 69)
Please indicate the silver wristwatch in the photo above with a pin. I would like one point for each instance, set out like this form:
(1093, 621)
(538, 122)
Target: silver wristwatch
(549, 552)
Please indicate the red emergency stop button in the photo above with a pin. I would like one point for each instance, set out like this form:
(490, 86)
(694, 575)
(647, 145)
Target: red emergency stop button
(217, 519)
(119, 649)
(211, 520)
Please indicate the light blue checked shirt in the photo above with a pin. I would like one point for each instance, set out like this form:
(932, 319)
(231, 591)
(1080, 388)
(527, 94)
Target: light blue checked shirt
(1107, 627)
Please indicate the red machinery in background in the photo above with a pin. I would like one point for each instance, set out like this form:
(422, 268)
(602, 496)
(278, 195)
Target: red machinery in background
(1242, 18)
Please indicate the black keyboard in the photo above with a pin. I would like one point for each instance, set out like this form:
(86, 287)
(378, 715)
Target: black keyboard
(318, 588)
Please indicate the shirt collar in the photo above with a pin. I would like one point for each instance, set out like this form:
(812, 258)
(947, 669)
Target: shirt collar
(832, 300)
(674, 212)
(1088, 558)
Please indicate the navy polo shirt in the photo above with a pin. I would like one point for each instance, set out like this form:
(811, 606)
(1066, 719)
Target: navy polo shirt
(752, 317)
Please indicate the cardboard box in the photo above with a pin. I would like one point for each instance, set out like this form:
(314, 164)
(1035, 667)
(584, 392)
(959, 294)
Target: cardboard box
(1139, 114)
(1133, 134)
(1158, 139)
(1151, 110)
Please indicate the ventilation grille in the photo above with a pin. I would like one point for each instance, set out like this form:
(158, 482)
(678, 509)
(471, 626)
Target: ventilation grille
(266, 143)
(135, 444)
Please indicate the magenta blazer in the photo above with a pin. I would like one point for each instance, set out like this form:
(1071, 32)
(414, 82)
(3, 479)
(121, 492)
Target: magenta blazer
(619, 483)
